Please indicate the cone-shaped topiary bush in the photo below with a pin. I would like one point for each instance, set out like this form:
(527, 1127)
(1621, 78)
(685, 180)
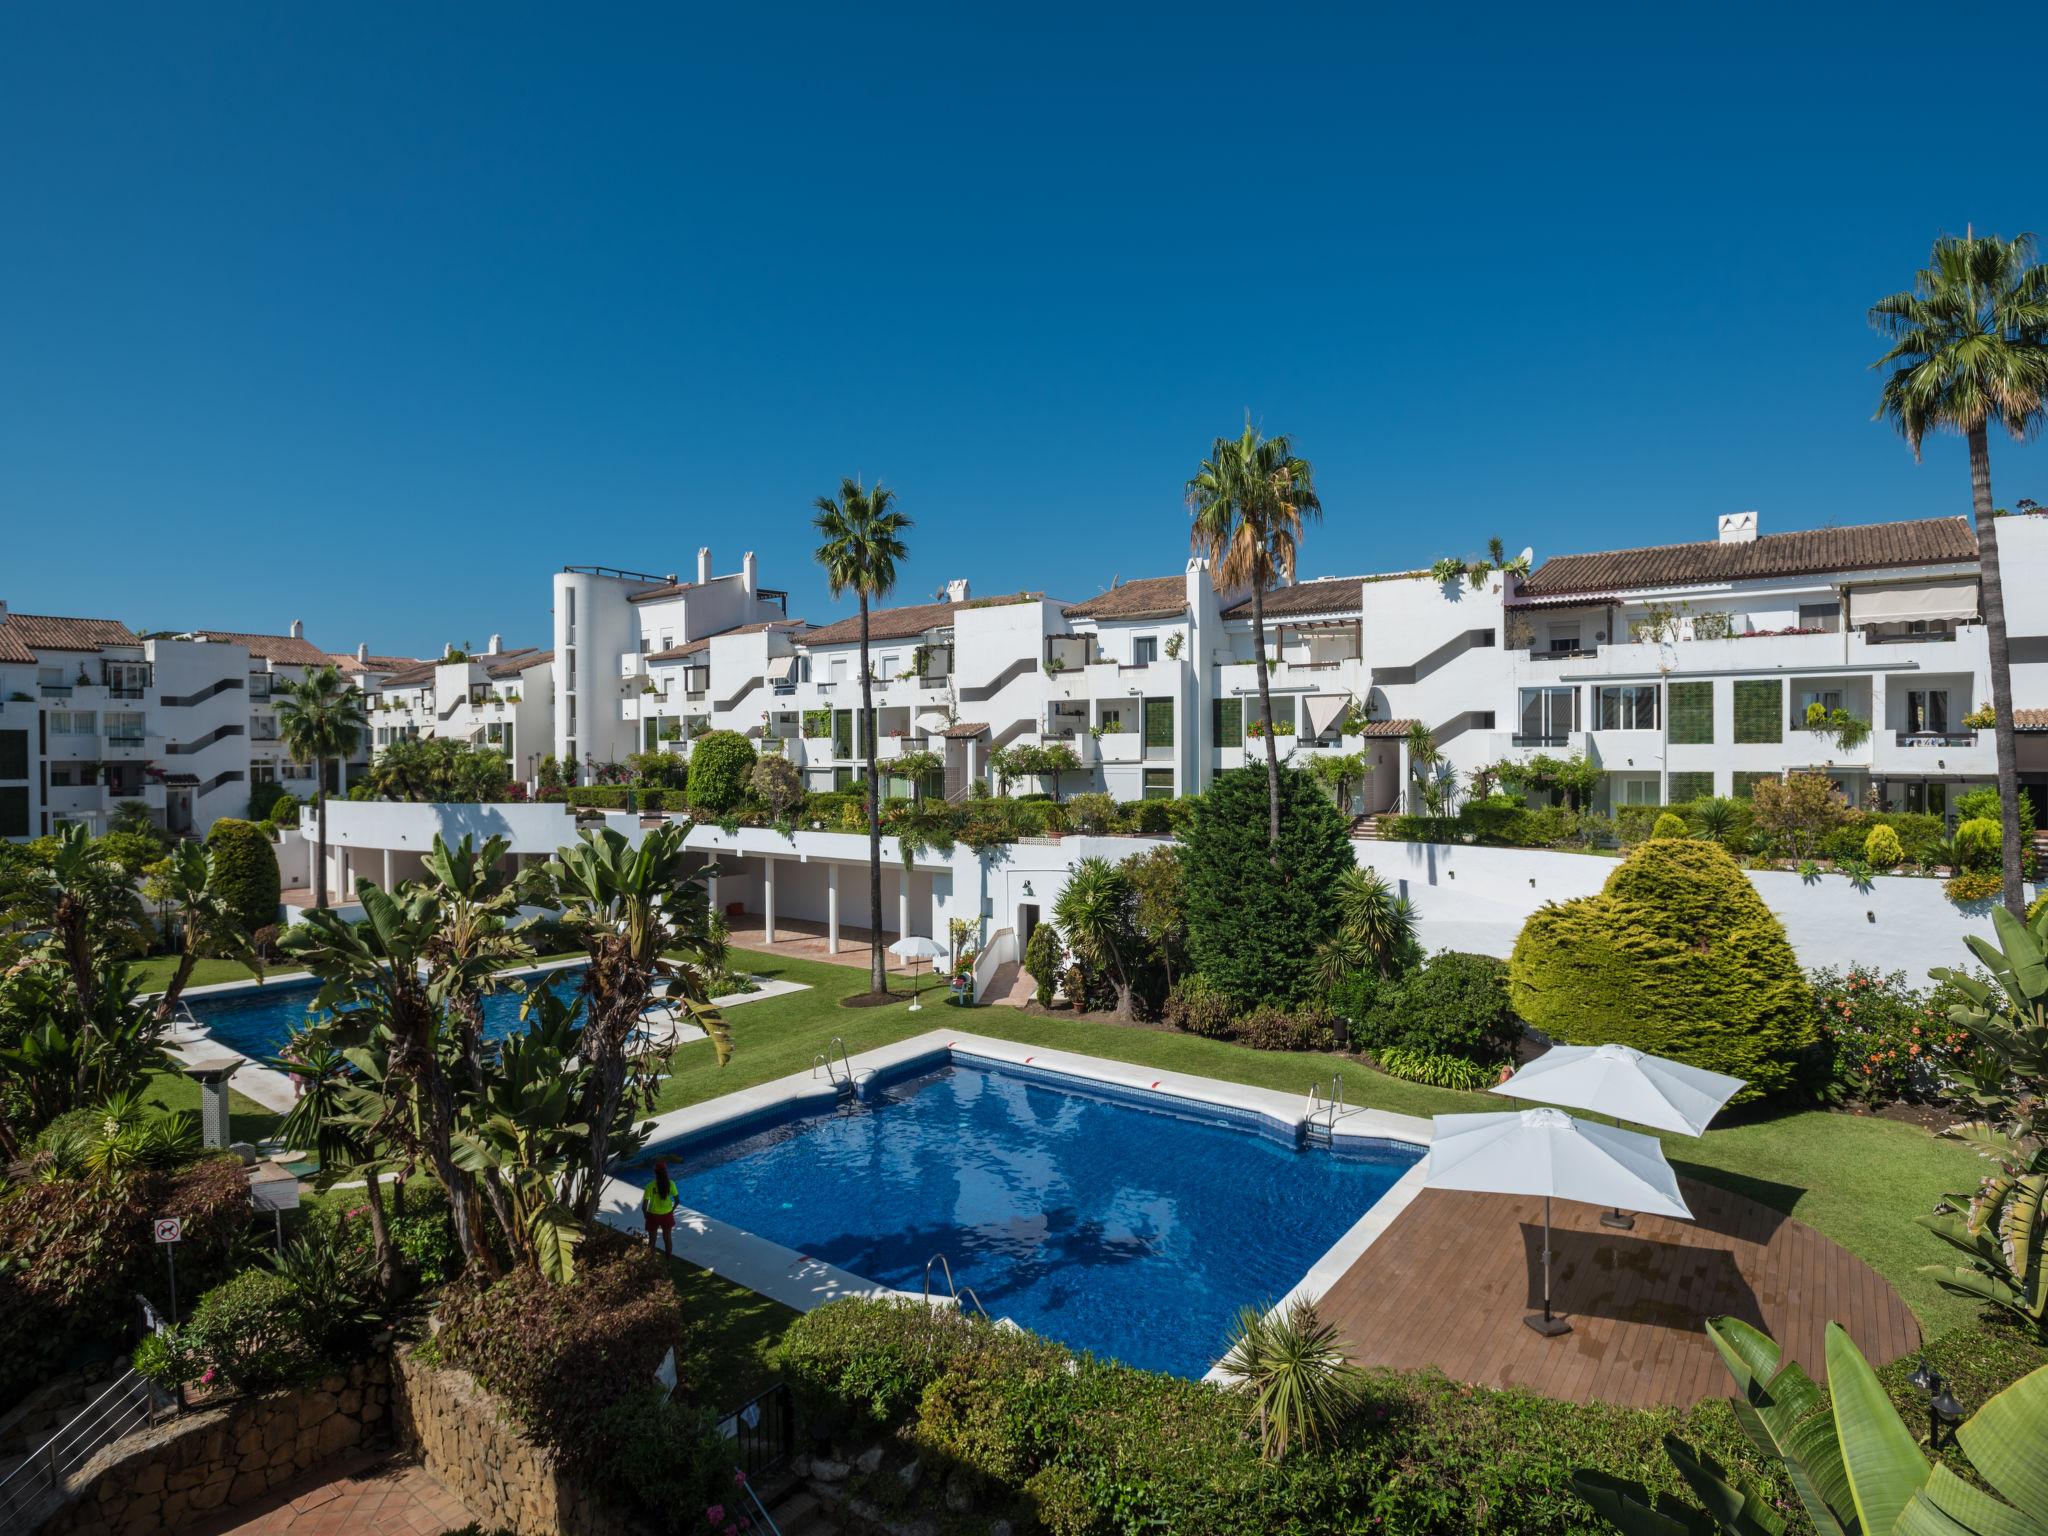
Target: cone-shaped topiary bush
(1677, 956)
(1670, 824)
(245, 871)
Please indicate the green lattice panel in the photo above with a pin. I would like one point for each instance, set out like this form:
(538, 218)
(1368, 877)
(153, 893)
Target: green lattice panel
(1692, 714)
(1759, 711)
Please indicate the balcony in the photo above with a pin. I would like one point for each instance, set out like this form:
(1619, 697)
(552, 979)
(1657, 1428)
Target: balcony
(1912, 739)
(1120, 746)
(1545, 739)
(1569, 653)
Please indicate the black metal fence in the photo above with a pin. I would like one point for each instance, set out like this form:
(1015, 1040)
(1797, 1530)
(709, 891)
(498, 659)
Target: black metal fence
(762, 1432)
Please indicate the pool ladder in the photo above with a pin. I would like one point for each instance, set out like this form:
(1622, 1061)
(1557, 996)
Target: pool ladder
(1320, 1114)
(840, 1073)
(954, 1291)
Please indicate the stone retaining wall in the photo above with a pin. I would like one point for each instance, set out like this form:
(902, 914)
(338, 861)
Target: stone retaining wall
(504, 1477)
(166, 1478)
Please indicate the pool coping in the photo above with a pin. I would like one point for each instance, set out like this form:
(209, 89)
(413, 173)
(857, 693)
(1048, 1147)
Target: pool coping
(803, 1282)
(272, 1089)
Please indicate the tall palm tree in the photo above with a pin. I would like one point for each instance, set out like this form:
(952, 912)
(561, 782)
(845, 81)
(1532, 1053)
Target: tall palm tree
(1249, 500)
(320, 720)
(863, 536)
(1970, 348)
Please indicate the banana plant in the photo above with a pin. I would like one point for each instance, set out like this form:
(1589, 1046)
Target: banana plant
(2003, 1227)
(1856, 1467)
(189, 893)
(523, 1149)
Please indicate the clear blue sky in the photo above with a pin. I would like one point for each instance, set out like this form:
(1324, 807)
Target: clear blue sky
(373, 315)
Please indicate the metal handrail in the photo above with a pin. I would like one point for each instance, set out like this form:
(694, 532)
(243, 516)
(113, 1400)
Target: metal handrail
(952, 1289)
(129, 1401)
(762, 1519)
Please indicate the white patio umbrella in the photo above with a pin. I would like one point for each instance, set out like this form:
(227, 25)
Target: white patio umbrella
(915, 947)
(1549, 1153)
(1624, 1084)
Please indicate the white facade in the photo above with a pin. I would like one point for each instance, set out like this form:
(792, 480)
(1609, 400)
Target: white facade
(496, 700)
(606, 622)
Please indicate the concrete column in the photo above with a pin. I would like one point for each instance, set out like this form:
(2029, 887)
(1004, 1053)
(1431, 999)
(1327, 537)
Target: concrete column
(768, 900)
(711, 893)
(831, 909)
(343, 888)
(903, 905)
(387, 869)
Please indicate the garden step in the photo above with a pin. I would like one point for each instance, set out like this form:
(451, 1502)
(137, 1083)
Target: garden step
(797, 1513)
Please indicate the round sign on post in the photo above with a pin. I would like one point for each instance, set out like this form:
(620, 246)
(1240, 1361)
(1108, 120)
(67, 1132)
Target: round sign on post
(169, 1229)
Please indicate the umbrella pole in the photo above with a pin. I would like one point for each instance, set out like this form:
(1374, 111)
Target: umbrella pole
(1548, 1325)
(1617, 1218)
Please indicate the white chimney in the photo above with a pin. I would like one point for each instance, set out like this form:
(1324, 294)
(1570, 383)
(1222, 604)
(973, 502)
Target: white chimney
(956, 590)
(362, 651)
(3, 610)
(298, 630)
(704, 564)
(747, 571)
(497, 644)
(1738, 527)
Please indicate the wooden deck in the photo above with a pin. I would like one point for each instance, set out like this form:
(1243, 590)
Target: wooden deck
(1450, 1281)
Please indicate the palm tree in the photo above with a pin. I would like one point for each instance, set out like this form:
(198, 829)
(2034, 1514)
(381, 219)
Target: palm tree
(1248, 501)
(1375, 928)
(320, 720)
(1095, 912)
(1424, 758)
(863, 536)
(1969, 348)
(191, 901)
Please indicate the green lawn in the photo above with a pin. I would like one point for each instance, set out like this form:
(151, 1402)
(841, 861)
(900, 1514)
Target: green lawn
(152, 973)
(1857, 1179)
(165, 1092)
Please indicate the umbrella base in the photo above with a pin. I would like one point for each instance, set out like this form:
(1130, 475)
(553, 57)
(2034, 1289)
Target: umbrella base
(1621, 1221)
(1549, 1327)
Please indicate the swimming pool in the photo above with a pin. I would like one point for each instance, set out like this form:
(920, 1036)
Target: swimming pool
(1126, 1223)
(259, 1021)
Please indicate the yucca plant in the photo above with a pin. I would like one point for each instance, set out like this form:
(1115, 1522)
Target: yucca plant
(1293, 1367)
(1855, 1466)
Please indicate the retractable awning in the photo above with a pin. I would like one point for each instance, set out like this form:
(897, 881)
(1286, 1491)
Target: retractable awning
(1955, 600)
(781, 668)
(1325, 710)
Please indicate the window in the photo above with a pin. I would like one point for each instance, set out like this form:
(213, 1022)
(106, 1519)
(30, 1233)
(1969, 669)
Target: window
(1564, 639)
(1548, 715)
(838, 669)
(1159, 722)
(1283, 711)
(891, 665)
(1632, 707)
(569, 618)
(13, 754)
(1692, 714)
(73, 722)
(1690, 786)
(668, 639)
(1636, 791)
(14, 812)
(1759, 710)
(1745, 782)
(1826, 616)
(265, 773)
(570, 669)
(1229, 722)
(645, 645)
(1926, 711)
(1158, 783)
(1145, 650)
(1826, 698)
(124, 729)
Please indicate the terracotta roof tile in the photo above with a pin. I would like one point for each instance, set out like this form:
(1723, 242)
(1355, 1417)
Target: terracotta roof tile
(23, 633)
(1813, 551)
(1326, 594)
(292, 652)
(348, 661)
(512, 663)
(909, 623)
(965, 730)
(2030, 719)
(703, 642)
(1148, 597)
(1386, 728)
(666, 589)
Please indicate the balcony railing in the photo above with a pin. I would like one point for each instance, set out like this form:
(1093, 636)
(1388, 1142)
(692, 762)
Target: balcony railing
(1569, 653)
(1548, 739)
(1935, 738)
(124, 739)
(54, 690)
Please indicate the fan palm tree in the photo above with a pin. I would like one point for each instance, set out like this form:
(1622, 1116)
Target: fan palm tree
(1969, 349)
(207, 924)
(320, 720)
(1249, 500)
(863, 536)
(1375, 927)
(1095, 912)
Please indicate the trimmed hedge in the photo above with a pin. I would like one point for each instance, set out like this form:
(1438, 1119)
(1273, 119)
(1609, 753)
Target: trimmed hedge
(245, 870)
(721, 765)
(1677, 956)
(612, 797)
(1085, 1447)
(1453, 1004)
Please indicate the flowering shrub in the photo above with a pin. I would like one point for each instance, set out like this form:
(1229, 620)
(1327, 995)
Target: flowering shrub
(1886, 1041)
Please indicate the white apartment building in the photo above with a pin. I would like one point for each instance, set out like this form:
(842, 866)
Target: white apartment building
(275, 663)
(607, 622)
(498, 699)
(734, 680)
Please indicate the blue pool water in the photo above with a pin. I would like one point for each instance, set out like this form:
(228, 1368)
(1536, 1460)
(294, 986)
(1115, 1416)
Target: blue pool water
(257, 1023)
(1134, 1232)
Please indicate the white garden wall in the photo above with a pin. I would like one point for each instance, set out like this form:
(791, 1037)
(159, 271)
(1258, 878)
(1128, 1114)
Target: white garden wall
(1478, 898)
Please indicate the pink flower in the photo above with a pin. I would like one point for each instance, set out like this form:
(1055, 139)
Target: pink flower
(714, 1514)
(739, 1478)
(208, 1377)
(731, 1529)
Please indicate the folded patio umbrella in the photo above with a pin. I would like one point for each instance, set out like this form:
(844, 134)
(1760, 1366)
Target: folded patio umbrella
(1549, 1153)
(1624, 1084)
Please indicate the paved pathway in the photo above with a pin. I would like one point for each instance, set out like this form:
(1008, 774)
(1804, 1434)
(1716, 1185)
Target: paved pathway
(1450, 1281)
(369, 1496)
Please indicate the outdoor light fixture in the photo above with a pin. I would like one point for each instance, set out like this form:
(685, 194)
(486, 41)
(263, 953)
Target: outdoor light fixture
(1027, 889)
(1942, 1407)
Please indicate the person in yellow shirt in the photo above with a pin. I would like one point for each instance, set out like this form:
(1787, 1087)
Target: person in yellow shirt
(658, 1204)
